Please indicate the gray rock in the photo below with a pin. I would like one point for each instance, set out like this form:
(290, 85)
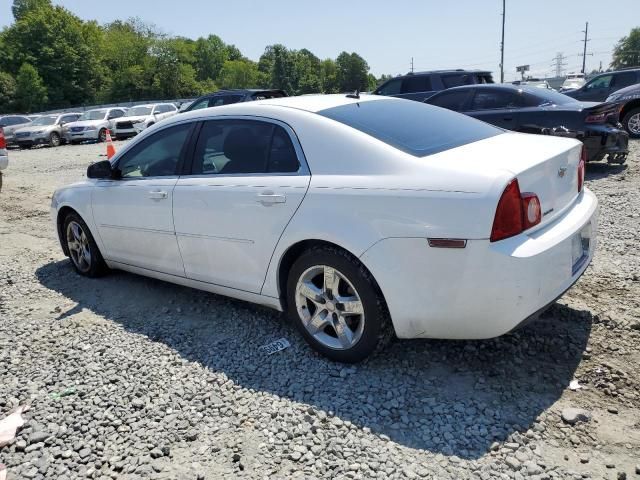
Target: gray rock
(575, 415)
(513, 463)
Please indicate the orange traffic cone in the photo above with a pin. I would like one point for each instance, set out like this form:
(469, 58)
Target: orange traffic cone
(111, 150)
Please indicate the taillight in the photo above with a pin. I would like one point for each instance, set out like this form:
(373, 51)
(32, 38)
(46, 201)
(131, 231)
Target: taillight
(597, 117)
(516, 212)
(581, 167)
(508, 220)
(3, 142)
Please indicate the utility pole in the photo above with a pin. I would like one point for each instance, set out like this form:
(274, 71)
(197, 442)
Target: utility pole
(504, 9)
(411, 64)
(584, 52)
(559, 63)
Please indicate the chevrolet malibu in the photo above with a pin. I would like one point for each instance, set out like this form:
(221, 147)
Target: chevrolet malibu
(357, 216)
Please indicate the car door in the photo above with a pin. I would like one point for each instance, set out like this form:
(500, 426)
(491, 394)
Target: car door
(247, 180)
(495, 106)
(134, 212)
(597, 90)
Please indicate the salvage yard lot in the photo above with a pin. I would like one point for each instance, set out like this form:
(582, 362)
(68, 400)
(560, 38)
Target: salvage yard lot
(169, 383)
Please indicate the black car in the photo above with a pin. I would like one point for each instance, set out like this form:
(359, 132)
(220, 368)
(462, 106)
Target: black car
(601, 86)
(629, 101)
(421, 85)
(226, 97)
(535, 110)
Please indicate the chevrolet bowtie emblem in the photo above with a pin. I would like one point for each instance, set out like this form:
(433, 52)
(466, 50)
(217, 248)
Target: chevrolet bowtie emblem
(562, 171)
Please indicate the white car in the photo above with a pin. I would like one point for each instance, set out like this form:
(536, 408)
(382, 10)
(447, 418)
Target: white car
(92, 125)
(352, 214)
(4, 155)
(573, 81)
(141, 117)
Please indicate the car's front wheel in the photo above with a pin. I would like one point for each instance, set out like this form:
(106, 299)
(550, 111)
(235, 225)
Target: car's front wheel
(54, 139)
(336, 304)
(102, 135)
(631, 123)
(83, 251)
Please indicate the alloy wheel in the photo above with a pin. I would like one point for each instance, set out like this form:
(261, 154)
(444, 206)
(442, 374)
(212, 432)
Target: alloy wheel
(55, 140)
(79, 248)
(330, 308)
(634, 124)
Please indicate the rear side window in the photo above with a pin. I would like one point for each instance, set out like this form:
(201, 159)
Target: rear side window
(454, 100)
(392, 87)
(456, 80)
(224, 100)
(494, 100)
(624, 79)
(419, 129)
(243, 146)
(416, 83)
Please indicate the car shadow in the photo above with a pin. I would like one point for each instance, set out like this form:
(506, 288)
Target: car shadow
(596, 171)
(449, 397)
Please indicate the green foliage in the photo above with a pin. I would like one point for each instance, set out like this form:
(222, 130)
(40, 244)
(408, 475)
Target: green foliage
(21, 7)
(31, 94)
(53, 59)
(627, 51)
(7, 91)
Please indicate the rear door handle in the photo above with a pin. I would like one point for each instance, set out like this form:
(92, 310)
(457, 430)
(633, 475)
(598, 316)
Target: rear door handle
(158, 194)
(269, 198)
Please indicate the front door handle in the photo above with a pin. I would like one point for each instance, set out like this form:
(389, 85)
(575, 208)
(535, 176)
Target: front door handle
(158, 194)
(269, 198)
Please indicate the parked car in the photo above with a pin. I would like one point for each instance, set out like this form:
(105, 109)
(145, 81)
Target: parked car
(421, 85)
(534, 110)
(10, 123)
(573, 81)
(45, 130)
(4, 155)
(142, 116)
(601, 86)
(322, 207)
(226, 97)
(534, 83)
(92, 125)
(629, 100)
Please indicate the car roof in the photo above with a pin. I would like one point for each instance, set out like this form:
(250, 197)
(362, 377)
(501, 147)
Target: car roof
(317, 102)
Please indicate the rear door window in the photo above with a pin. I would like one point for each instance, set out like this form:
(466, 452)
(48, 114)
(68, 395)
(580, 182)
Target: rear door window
(392, 87)
(495, 100)
(456, 80)
(416, 83)
(219, 100)
(624, 79)
(452, 100)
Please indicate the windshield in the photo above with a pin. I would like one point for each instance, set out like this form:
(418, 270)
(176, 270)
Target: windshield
(419, 129)
(44, 121)
(93, 115)
(549, 97)
(139, 111)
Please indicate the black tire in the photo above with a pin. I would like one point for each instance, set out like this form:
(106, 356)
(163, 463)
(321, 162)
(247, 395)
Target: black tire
(102, 135)
(376, 330)
(54, 140)
(96, 266)
(632, 130)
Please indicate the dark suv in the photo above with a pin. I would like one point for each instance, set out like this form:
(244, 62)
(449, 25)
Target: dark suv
(226, 97)
(421, 85)
(601, 86)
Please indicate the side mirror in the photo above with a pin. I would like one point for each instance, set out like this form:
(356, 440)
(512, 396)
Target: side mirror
(101, 170)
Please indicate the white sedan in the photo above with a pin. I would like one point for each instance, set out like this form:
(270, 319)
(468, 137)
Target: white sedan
(356, 215)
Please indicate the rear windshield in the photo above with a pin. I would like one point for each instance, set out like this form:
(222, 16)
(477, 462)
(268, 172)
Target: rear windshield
(548, 97)
(413, 127)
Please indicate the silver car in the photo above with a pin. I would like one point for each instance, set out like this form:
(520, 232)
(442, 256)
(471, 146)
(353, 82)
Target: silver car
(93, 125)
(10, 123)
(46, 130)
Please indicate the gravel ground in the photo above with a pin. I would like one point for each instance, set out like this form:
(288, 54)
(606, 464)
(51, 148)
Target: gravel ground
(133, 378)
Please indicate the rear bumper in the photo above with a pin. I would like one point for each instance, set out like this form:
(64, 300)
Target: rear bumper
(603, 141)
(125, 132)
(31, 141)
(486, 289)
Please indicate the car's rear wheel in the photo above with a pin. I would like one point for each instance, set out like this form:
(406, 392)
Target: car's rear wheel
(83, 251)
(102, 135)
(336, 304)
(54, 139)
(631, 123)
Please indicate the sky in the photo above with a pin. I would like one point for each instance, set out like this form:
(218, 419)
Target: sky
(437, 34)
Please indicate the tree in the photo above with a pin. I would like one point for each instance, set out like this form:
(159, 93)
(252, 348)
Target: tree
(21, 7)
(329, 76)
(306, 72)
(31, 94)
(211, 53)
(281, 74)
(627, 52)
(7, 92)
(352, 72)
(239, 74)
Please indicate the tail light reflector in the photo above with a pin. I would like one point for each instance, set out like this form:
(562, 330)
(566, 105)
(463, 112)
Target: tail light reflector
(532, 210)
(3, 141)
(581, 167)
